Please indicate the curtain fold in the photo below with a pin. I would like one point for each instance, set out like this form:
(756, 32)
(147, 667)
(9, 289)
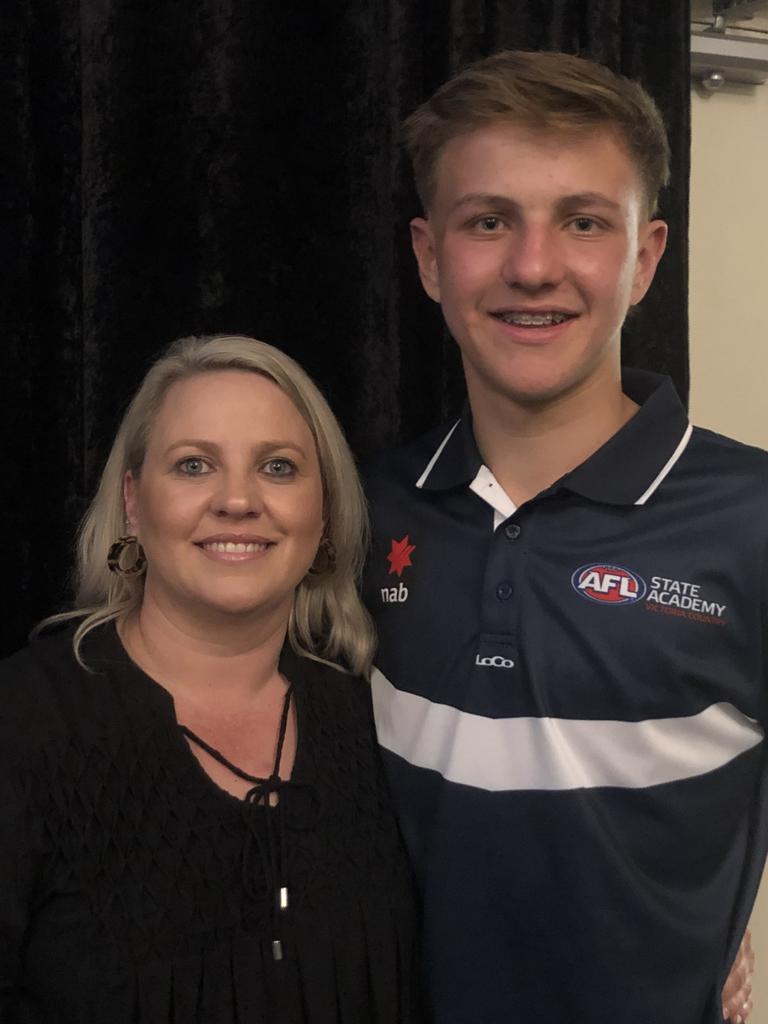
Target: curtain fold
(235, 165)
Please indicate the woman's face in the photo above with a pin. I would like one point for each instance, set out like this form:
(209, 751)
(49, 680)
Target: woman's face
(229, 502)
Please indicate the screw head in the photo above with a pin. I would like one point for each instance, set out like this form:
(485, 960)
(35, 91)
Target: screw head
(713, 81)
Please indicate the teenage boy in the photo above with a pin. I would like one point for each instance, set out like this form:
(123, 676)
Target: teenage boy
(569, 584)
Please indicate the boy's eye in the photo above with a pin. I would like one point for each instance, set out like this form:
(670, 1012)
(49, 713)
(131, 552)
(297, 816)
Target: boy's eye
(584, 224)
(489, 223)
(193, 466)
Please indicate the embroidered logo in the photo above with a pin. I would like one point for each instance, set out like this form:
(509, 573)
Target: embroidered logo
(399, 557)
(683, 599)
(495, 662)
(395, 595)
(608, 584)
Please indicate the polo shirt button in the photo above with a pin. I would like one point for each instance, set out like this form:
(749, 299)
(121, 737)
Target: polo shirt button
(504, 591)
(512, 531)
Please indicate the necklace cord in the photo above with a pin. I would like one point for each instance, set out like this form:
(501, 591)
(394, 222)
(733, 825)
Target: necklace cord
(272, 852)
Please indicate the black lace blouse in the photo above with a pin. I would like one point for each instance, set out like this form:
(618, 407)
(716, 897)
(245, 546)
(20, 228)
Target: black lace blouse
(132, 888)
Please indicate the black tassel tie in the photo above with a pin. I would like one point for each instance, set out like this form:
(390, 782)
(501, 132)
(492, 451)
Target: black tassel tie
(271, 846)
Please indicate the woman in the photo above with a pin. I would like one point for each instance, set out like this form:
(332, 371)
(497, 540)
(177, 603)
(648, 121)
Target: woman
(195, 825)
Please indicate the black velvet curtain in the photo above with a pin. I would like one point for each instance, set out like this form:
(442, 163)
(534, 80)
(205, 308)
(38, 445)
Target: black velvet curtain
(182, 166)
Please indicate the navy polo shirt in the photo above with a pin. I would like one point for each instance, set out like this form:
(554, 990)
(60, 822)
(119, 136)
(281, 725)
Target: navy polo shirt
(571, 700)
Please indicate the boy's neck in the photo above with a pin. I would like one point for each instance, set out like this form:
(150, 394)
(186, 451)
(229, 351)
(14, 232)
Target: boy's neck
(529, 447)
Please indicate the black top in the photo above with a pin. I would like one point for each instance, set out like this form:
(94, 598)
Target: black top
(133, 888)
(572, 697)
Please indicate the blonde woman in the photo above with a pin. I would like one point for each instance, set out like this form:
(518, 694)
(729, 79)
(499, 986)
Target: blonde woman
(195, 824)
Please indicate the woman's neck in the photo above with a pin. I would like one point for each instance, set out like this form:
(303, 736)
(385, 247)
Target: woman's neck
(202, 664)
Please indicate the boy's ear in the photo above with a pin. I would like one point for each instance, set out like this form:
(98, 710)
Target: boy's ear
(423, 243)
(652, 243)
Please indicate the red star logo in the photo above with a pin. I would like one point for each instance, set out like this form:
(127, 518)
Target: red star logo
(400, 555)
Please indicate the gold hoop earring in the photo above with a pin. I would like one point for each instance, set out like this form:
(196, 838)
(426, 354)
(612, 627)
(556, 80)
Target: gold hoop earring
(116, 552)
(325, 559)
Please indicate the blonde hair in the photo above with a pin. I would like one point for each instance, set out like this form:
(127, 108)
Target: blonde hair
(542, 91)
(328, 621)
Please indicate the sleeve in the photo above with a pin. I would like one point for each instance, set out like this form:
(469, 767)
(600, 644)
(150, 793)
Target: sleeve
(757, 839)
(15, 886)
(22, 710)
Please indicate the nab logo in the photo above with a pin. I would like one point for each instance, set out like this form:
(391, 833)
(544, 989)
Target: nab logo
(608, 584)
(399, 557)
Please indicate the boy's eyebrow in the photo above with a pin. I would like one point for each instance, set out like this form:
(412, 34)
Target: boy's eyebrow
(483, 199)
(587, 199)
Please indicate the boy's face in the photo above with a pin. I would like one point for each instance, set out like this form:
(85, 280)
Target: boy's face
(535, 246)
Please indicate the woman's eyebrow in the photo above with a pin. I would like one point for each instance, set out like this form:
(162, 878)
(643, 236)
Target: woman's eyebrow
(212, 446)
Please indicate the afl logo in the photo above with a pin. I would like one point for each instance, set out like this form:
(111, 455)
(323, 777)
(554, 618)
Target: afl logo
(608, 584)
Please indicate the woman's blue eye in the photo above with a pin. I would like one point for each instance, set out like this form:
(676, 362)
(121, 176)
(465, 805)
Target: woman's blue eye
(280, 467)
(193, 466)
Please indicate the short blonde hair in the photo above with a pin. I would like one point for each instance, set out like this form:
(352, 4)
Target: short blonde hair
(546, 92)
(328, 621)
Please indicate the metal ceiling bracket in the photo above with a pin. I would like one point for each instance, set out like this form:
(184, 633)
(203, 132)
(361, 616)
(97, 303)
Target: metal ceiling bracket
(738, 10)
(719, 58)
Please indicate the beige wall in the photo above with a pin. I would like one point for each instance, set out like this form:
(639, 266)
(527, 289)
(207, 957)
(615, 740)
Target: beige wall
(729, 302)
